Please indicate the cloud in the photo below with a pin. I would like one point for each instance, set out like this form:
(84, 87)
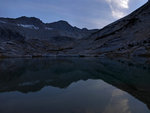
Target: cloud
(119, 103)
(118, 7)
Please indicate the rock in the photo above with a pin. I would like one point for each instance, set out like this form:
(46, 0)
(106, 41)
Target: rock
(139, 51)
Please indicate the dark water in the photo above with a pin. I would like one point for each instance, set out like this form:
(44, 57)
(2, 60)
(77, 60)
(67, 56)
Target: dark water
(74, 85)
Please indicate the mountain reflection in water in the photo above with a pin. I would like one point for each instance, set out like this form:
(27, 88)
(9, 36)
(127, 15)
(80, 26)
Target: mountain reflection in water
(74, 85)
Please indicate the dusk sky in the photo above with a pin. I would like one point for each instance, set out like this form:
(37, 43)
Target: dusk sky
(80, 13)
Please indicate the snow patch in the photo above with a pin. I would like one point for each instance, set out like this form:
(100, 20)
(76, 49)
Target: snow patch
(28, 26)
(48, 28)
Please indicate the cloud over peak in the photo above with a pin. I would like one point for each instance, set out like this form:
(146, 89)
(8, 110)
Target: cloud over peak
(118, 7)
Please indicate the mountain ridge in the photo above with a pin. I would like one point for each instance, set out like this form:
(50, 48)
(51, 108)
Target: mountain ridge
(126, 37)
(59, 28)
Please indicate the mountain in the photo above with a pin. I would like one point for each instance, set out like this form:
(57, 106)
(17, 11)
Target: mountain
(127, 37)
(32, 27)
(29, 36)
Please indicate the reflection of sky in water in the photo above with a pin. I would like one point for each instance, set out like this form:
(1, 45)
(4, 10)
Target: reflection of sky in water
(91, 96)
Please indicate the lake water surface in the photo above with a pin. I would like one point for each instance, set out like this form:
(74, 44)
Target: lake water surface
(74, 85)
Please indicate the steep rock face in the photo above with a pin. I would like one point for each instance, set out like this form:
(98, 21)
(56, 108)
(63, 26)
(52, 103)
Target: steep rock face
(129, 36)
(7, 34)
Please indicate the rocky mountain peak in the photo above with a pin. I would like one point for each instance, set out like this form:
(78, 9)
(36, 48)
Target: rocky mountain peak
(29, 21)
(62, 25)
(62, 22)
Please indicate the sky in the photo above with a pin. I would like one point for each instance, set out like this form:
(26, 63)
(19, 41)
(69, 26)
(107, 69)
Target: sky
(81, 13)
